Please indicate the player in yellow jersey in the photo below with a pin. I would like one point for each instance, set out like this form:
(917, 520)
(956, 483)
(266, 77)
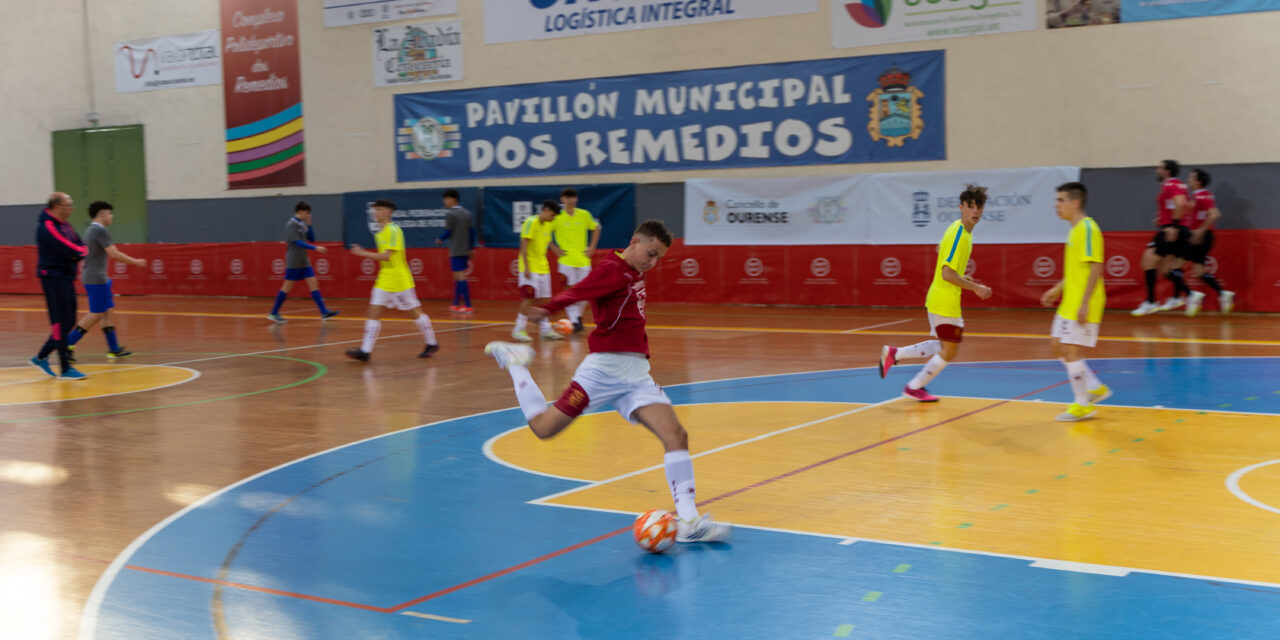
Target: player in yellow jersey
(1075, 326)
(535, 270)
(943, 301)
(394, 286)
(572, 226)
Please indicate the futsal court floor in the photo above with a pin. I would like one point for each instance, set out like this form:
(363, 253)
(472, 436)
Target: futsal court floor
(239, 480)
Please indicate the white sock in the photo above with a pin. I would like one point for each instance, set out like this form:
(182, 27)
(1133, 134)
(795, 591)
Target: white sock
(1089, 376)
(424, 325)
(532, 402)
(932, 368)
(1079, 381)
(578, 309)
(679, 468)
(371, 329)
(521, 321)
(572, 312)
(545, 326)
(926, 349)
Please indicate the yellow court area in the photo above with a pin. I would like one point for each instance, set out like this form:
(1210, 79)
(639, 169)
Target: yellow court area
(1138, 488)
(23, 385)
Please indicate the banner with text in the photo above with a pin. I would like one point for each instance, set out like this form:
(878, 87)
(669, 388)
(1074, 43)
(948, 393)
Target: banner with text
(168, 62)
(262, 94)
(417, 53)
(612, 205)
(886, 108)
(915, 208)
(868, 22)
(419, 212)
(1144, 10)
(516, 20)
(773, 211)
(340, 13)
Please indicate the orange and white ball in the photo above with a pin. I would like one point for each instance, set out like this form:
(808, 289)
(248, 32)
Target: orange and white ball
(562, 326)
(655, 530)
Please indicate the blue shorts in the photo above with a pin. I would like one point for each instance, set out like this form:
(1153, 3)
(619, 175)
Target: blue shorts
(99, 297)
(301, 273)
(458, 263)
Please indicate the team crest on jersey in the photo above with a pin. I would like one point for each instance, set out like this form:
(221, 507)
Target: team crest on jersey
(711, 212)
(896, 114)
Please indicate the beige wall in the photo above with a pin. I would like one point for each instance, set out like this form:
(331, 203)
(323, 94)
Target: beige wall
(1203, 90)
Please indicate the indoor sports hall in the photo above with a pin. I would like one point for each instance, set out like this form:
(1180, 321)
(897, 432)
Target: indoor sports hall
(235, 461)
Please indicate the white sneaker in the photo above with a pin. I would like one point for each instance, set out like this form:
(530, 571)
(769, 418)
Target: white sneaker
(702, 529)
(1145, 309)
(508, 353)
(1171, 304)
(520, 335)
(1227, 300)
(1194, 302)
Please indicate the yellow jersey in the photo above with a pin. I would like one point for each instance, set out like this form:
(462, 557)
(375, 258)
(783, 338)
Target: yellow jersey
(953, 251)
(1084, 247)
(573, 233)
(393, 274)
(537, 236)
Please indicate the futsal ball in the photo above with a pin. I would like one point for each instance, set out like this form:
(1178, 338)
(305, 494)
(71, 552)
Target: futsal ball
(563, 326)
(655, 530)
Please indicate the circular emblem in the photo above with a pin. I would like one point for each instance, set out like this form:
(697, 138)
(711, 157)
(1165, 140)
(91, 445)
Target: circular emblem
(157, 266)
(119, 267)
(970, 268)
(1117, 266)
(819, 267)
(415, 265)
(890, 267)
(17, 266)
(322, 266)
(753, 267)
(367, 267)
(1211, 265)
(196, 267)
(277, 266)
(689, 267)
(514, 267)
(237, 266)
(1043, 267)
(428, 138)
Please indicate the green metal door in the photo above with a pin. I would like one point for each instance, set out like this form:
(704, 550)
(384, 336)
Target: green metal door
(105, 163)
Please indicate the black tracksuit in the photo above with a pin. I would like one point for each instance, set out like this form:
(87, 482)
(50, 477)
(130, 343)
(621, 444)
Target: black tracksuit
(59, 249)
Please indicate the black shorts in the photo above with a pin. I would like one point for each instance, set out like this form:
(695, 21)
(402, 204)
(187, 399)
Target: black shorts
(1198, 253)
(1165, 248)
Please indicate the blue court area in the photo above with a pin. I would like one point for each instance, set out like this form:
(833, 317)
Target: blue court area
(418, 534)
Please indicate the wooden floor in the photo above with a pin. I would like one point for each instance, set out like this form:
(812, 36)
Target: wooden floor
(87, 469)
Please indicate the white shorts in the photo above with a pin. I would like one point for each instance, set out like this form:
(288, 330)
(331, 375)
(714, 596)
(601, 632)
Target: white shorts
(574, 275)
(620, 379)
(1072, 332)
(541, 283)
(402, 300)
(935, 320)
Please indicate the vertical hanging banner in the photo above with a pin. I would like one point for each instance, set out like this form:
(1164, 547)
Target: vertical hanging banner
(885, 108)
(262, 94)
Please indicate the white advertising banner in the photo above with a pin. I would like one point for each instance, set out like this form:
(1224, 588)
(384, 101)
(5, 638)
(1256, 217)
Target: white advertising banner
(773, 211)
(517, 20)
(417, 53)
(868, 22)
(915, 208)
(341, 13)
(169, 62)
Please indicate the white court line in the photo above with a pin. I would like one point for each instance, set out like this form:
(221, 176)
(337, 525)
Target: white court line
(1233, 485)
(708, 452)
(877, 326)
(429, 616)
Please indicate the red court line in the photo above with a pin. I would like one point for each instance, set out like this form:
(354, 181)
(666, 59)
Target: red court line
(574, 547)
(249, 587)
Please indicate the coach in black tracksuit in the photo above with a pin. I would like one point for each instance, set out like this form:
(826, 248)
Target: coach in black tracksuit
(59, 249)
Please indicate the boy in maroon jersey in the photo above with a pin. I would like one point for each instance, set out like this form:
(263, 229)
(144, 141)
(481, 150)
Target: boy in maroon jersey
(1163, 254)
(617, 370)
(1204, 214)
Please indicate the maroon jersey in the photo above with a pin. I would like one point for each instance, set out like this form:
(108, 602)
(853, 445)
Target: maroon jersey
(617, 296)
(1203, 204)
(1169, 191)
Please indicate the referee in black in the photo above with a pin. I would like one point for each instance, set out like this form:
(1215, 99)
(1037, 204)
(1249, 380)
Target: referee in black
(59, 249)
